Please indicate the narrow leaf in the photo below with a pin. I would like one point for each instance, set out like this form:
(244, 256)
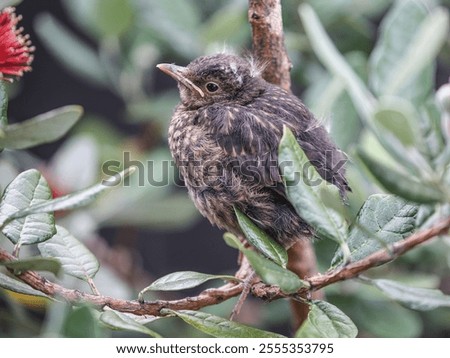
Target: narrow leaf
(34, 264)
(113, 17)
(433, 136)
(399, 183)
(306, 188)
(422, 299)
(121, 321)
(14, 285)
(220, 327)
(183, 280)
(397, 32)
(226, 25)
(41, 129)
(258, 238)
(336, 63)
(382, 220)
(397, 119)
(3, 109)
(423, 49)
(326, 321)
(175, 23)
(27, 189)
(82, 13)
(74, 200)
(79, 58)
(76, 260)
(273, 274)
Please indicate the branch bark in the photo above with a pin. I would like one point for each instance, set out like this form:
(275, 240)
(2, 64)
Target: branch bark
(302, 260)
(268, 41)
(214, 296)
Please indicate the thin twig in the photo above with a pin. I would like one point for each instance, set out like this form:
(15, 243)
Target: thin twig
(243, 296)
(214, 296)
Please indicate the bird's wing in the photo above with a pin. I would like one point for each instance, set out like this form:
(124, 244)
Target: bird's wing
(249, 137)
(249, 144)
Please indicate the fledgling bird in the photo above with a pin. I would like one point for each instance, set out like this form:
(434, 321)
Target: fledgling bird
(224, 137)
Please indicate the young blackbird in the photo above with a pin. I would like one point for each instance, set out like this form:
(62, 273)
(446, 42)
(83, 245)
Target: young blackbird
(224, 137)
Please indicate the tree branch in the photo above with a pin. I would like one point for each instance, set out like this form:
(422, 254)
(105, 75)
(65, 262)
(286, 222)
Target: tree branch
(302, 261)
(380, 257)
(268, 41)
(214, 296)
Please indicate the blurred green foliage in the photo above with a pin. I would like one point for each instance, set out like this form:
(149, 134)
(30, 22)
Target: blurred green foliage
(377, 98)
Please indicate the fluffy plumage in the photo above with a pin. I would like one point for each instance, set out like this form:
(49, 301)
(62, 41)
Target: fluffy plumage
(224, 137)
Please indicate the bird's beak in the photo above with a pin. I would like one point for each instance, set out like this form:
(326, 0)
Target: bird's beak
(179, 74)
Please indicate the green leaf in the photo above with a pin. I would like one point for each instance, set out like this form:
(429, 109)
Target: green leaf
(34, 264)
(430, 127)
(326, 321)
(218, 326)
(3, 108)
(76, 260)
(227, 25)
(113, 17)
(398, 31)
(336, 63)
(82, 13)
(422, 299)
(306, 188)
(382, 220)
(81, 322)
(421, 52)
(6, 3)
(343, 111)
(121, 321)
(27, 189)
(74, 200)
(183, 280)
(396, 117)
(77, 56)
(273, 274)
(400, 183)
(41, 129)
(174, 23)
(259, 239)
(232, 241)
(14, 285)
(383, 318)
(158, 108)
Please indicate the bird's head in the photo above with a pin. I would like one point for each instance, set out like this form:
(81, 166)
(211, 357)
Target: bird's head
(215, 79)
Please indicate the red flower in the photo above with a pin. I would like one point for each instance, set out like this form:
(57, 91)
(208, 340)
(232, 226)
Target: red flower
(15, 48)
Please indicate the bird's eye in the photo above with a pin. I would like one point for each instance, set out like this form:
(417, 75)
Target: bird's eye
(212, 87)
